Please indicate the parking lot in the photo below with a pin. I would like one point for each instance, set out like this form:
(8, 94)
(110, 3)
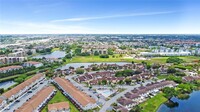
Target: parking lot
(21, 100)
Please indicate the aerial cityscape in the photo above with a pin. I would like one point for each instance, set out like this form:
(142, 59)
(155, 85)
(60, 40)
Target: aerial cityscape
(99, 56)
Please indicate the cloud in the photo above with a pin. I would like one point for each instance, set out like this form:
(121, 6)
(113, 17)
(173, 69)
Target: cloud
(40, 28)
(112, 16)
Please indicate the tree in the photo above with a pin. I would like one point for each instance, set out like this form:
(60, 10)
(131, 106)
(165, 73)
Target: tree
(110, 51)
(29, 52)
(128, 81)
(96, 53)
(136, 109)
(104, 56)
(1, 90)
(104, 82)
(169, 92)
(48, 49)
(78, 51)
(171, 70)
(174, 60)
(79, 71)
(68, 56)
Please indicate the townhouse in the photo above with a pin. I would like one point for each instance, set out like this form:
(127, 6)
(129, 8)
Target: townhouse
(9, 68)
(81, 100)
(140, 94)
(20, 89)
(33, 63)
(126, 103)
(59, 107)
(38, 101)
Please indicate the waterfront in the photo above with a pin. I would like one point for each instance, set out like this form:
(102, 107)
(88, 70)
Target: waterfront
(187, 105)
(55, 54)
(76, 65)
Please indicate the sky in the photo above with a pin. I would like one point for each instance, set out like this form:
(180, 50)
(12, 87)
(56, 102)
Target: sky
(99, 16)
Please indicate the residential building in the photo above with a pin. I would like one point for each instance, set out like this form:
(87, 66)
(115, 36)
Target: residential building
(10, 68)
(9, 60)
(81, 99)
(38, 101)
(20, 89)
(33, 63)
(59, 107)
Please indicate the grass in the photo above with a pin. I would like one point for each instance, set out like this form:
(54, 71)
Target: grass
(9, 78)
(59, 97)
(117, 58)
(152, 104)
(55, 49)
(162, 76)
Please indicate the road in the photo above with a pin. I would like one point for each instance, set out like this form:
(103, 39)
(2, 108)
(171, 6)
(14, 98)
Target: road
(14, 105)
(114, 99)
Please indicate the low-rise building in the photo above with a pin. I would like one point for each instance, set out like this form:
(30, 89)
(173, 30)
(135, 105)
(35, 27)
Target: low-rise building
(59, 107)
(20, 89)
(38, 101)
(9, 68)
(81, 99)
(33, 63)
(9, 60)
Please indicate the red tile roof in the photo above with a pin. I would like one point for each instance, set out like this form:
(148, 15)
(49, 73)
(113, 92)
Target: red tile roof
(78, 95)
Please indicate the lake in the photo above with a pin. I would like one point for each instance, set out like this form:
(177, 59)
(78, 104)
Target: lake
(55, 54)
(7, 84)
(76, 65)
(189, 105)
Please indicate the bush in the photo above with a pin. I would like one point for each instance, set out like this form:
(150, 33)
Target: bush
(174, 60)
(96, 53)
(79, 71)
(104, 56)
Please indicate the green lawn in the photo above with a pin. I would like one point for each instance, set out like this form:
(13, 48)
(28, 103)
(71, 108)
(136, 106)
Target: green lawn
(55, 49)
(117, 58)
(162, 76)
(9, 78)
(59, 97)
(152, 104)
(85, 59)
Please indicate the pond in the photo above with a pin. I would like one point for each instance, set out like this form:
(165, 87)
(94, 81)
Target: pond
(7, 84)
(76, 65)
(55, 54)
(191, 104)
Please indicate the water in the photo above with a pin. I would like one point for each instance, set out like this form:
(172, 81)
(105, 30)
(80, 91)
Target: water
(55, 54)
(190, 105)
(76, 65)
(105, 93)
(7, 84)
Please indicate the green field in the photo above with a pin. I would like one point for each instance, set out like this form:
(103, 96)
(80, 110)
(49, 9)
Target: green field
(161, 60)
(152, 104)
(59, 97)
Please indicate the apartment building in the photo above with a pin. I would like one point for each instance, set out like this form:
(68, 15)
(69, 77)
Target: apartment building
(9, 68)
(59, 107)
(33, 63)
(81, 99)
(38, 101)
(20, 89)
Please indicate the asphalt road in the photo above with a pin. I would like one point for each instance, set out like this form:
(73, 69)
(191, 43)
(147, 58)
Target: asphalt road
(117, 96)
